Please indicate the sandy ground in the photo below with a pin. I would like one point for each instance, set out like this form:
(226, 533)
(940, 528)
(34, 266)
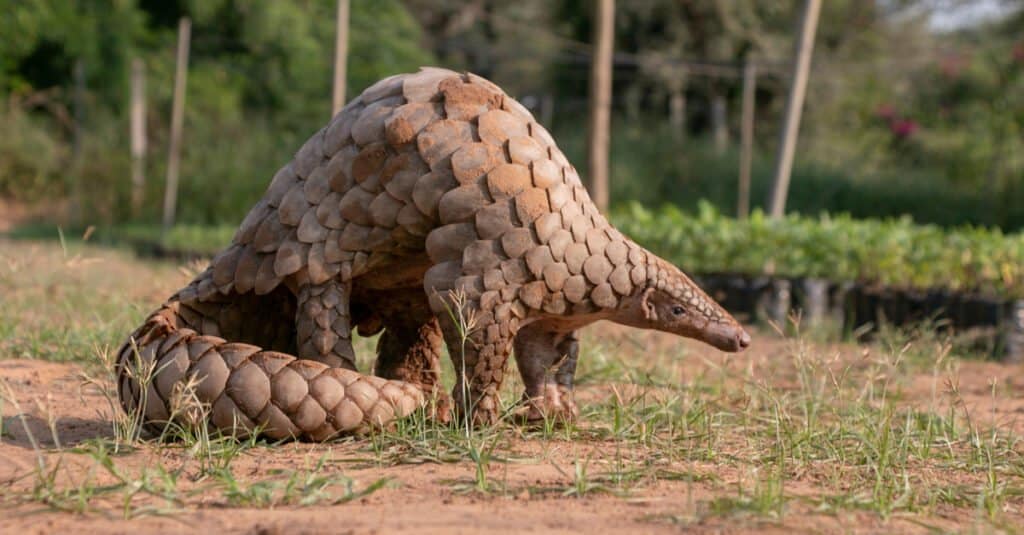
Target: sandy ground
(428, 498)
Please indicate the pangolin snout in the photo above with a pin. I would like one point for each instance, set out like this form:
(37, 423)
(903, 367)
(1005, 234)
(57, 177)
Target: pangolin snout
(744, 339)
(731, 338)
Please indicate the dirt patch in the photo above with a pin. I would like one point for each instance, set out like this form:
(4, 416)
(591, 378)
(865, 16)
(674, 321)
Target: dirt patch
(532, 491)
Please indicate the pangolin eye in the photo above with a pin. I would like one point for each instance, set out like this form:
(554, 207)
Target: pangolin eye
(678, 310)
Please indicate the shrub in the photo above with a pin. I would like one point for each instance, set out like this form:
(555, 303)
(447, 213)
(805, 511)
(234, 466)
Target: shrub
(893, 251)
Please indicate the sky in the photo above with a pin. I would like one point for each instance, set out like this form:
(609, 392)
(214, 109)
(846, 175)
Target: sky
(953, 15)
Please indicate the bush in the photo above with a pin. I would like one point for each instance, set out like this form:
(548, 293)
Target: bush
(30, 157)
(892, 252)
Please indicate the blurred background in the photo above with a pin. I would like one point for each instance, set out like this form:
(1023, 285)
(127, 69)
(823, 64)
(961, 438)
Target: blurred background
(908, 168)
(913, 107)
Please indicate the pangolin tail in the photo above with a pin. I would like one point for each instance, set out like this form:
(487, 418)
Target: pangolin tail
(167, 373)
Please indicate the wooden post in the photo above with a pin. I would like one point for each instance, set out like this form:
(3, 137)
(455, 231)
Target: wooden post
(601, 100)
(177, 122)
(138, 135)
(340, 57)
(677, 110)
(719, 122)
(794, 106)
(547, 111)
(78, 101)
(746, 139)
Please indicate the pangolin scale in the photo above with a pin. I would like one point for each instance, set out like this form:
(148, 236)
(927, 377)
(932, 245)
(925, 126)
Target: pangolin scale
(429, 191)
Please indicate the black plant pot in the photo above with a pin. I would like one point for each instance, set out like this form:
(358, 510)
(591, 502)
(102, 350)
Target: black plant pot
(895, 308)
(984, 312)
(940, 305)
(734, 292)
(841, 301)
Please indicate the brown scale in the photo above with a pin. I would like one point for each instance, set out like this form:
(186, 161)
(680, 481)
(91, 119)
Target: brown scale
(426, 186)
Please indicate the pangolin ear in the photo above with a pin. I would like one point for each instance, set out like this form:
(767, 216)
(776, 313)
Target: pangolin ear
(650, 312)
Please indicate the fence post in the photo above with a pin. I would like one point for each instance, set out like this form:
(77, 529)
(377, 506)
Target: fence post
(78, 101)
(547, 110)
(794, 107)
(177, 122)
(719, 122)
(677, 104)
(340, 57)
(138, 135)
(746, 139)
(601, 100)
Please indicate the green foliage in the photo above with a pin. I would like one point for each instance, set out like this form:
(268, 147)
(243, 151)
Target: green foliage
(651, 164)
(948, 150)
(893, 252)
(29, 156)
(259, 84)
(279, 56)
(41, 39)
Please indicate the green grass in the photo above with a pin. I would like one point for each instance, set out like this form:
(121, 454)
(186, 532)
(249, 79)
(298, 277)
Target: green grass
(181, 240)
(55, 313)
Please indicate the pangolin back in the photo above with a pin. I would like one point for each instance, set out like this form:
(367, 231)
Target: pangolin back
(431, 153)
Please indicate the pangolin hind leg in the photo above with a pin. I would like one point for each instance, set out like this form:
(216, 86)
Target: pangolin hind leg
(410, 347)
(323, 324)
(547, 363)
(411, 353)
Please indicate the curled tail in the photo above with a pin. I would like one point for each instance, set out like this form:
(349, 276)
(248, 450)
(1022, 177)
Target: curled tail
(246, 388)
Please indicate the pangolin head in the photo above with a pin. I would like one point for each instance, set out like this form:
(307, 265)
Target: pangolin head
(673, 303)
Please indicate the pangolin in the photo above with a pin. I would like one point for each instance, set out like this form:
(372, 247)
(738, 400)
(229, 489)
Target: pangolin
(436, 209)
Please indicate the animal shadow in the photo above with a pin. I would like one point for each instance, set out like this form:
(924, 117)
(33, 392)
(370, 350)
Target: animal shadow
(30, 431)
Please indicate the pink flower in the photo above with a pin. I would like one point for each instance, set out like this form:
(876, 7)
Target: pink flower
(903, 128)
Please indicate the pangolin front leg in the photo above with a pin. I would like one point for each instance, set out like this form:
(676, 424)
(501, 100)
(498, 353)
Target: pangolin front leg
(479, 362)
(323, 324)
(547, 363)
(478, 328)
